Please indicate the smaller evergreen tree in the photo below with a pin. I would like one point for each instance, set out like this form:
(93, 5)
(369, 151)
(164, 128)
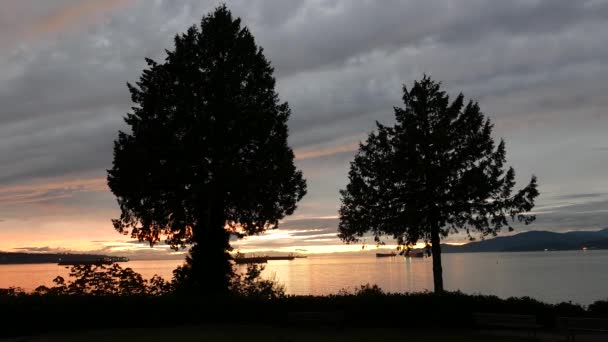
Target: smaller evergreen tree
(436, 172)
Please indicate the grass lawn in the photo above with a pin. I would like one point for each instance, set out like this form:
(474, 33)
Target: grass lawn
(261, 333)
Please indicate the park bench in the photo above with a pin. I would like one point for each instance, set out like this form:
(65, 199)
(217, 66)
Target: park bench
(506, 321)
(316, 317)
(573, 325)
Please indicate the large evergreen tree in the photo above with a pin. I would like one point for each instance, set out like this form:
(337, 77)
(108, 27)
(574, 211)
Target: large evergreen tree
(437, 171)
(207, 155)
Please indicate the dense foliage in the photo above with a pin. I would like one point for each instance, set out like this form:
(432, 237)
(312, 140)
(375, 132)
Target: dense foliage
(251, 285)
(207, 153)
(437, 171)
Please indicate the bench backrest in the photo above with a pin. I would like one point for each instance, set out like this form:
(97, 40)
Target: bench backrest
(494, 318)
(322, 316)
(582, 323)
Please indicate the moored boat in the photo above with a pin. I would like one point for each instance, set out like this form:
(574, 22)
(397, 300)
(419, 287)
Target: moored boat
(385, 255)
(414, 254)
(285, 257)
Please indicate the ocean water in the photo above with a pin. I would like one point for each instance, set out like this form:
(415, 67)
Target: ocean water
(577, 276)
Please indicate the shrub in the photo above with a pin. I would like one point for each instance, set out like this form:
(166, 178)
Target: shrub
(12, 292)
(101, 280)
(599, 308)
(251, 284)
(362, 290)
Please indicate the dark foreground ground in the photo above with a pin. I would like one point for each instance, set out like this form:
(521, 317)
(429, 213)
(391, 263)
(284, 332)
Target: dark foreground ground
(367, 316)
(280, 334)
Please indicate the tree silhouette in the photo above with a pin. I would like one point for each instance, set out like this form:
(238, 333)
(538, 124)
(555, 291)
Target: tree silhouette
(207, 155)
(437, 171)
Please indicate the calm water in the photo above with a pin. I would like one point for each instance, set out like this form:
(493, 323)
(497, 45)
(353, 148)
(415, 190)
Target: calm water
(580, 277)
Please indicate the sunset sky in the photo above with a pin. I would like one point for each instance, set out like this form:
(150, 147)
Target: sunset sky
(538, 68)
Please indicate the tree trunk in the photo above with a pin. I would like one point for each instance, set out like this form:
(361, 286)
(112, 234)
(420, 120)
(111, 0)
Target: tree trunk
(209, 262)
(436, 250)
(210, 269)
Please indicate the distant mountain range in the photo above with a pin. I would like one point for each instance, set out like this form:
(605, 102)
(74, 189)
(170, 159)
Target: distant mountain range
(535, 241)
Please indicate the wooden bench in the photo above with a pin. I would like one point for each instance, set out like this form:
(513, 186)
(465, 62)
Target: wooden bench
(506, 321)
(316, 317)
(573, 325)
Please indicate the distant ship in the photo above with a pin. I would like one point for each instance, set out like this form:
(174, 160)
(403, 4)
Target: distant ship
(385, 255)
(251, 260)
(285, 257)
(241, 259)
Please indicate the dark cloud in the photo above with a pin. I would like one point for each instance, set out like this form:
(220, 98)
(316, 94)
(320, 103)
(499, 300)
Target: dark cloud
(582, 196)
(312, 226)
(341, 30)
(317, 232)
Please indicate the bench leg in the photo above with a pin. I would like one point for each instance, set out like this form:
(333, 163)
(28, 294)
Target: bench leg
(532, 333)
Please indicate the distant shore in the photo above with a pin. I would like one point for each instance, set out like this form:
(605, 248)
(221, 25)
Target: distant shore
(17, 258)
(9, 258)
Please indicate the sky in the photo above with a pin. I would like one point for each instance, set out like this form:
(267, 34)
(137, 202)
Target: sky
(538, 68)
